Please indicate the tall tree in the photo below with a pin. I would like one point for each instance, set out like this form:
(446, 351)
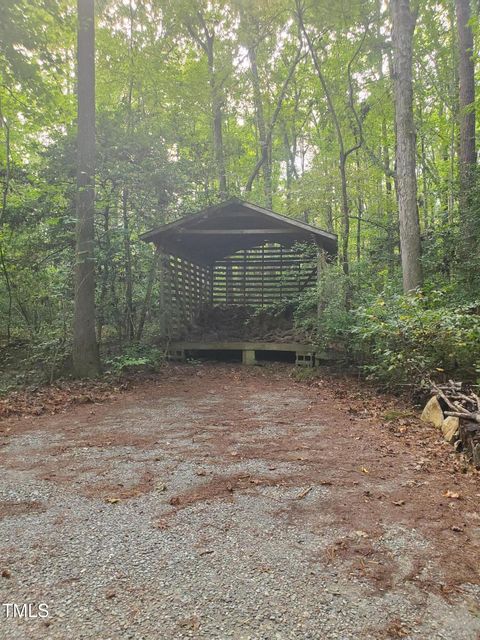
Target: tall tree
(466, 99)
(85, 349)
(204, 35)
(251, 28)
(403, 27)
(280, 143)
(344, 151)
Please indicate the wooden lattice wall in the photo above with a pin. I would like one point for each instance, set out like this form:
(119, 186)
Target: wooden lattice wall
(258, 277)
(262, 275)
(184, 288)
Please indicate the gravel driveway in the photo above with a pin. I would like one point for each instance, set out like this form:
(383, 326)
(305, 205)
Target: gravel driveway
(227, 502)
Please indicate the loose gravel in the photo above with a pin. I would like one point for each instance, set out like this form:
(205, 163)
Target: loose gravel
(218, 505)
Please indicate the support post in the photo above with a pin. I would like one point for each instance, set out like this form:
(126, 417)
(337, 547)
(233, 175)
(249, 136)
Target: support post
(248, 356)
(304, 359)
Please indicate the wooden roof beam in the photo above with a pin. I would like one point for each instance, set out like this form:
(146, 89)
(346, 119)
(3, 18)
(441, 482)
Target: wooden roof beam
(239, 232)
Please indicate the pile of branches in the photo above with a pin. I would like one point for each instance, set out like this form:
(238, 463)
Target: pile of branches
(228, 322)
(464, 404)
(220, 322)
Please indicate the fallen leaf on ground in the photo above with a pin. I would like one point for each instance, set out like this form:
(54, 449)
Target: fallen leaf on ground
(474, 608)
(451, 494)
(193, 623)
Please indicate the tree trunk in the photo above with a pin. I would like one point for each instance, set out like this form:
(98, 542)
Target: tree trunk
(403, 21)
(6, 187)
(392, 221)
(359, 228)
(129, 311)
(452, 147)
(9, 293)
(425, 204)
(130, 330)
(218, 145)
(262, 128)
(148, 295)
(342, 152)
(105, 273)
(345, 214)
(392, 225)
(288, 171)
(273, 120)
(217, 115)
(466, 95)
(86, 361)
(329, 217)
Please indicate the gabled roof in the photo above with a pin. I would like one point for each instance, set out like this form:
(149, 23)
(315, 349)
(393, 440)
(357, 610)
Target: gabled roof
(223, 229)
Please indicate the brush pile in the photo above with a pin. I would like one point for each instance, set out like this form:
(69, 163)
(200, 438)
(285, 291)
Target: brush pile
(456, 411)
(243, 323)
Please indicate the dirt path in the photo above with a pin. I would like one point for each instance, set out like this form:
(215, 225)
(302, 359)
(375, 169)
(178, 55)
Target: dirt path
(228, 502)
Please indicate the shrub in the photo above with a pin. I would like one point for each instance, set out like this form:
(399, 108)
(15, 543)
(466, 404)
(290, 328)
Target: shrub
(136, 358)
(405, 340)
(321, 311)
(36, 361)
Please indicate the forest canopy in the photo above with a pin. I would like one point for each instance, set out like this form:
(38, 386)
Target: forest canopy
(302, 106)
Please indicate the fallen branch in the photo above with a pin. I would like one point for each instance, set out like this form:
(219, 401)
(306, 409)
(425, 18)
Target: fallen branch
(475, 417)
(304, 493)
(465, 407)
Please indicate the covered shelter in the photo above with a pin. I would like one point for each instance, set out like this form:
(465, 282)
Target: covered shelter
(234, 254)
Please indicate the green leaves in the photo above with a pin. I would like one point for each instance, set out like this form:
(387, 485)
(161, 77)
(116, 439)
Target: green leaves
(405, 340)
(136, 358)
(154, 138)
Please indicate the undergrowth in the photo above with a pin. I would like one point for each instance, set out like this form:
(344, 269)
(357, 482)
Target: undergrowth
(401, 341)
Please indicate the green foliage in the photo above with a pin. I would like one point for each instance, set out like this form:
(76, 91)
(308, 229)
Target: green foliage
(34, 361)
(136, 358)
(405, 340)
(398, 340)
(322, 313)
(156, 161)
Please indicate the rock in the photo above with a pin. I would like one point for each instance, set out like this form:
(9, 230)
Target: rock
(433, 413)
(450, 428)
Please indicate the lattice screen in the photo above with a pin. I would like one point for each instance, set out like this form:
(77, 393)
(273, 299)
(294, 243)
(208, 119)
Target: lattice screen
(258, 277)
(184, 287)
(261, 276)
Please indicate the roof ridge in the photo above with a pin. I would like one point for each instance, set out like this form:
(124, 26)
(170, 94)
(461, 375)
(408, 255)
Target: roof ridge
(191, 218)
